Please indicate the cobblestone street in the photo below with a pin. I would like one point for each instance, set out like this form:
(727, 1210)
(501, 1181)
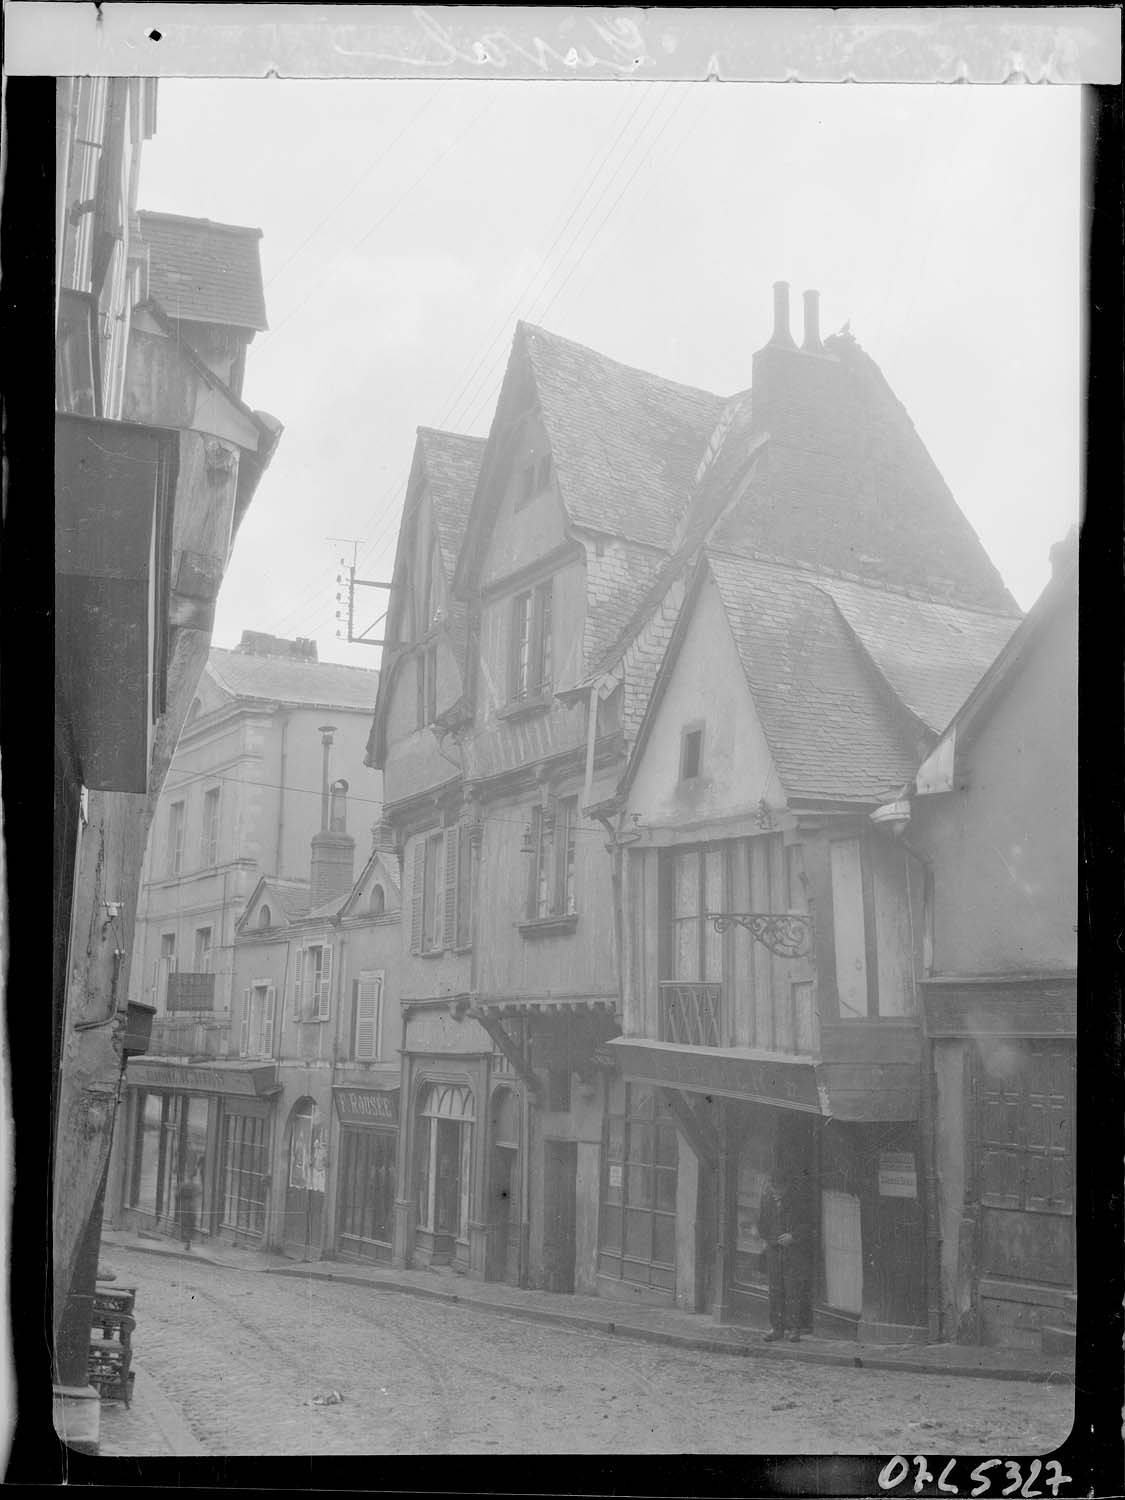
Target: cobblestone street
(240, 1357)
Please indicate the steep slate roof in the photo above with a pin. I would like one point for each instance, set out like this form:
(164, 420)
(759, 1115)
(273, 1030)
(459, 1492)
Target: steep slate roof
(881, 512)
(625, 443)
(452, 462)
(204, 272)
(831, 731)
(283, 679)
(931, 655)
(291, 895)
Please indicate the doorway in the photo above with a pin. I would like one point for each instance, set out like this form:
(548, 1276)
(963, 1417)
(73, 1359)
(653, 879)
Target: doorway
(305, 1182)
(560, 1178)
(503, 1261)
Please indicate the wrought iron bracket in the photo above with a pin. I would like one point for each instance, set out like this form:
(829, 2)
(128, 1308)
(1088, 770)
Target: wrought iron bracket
(787, 934)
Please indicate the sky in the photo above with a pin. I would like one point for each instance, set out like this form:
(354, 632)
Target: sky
(407, 224)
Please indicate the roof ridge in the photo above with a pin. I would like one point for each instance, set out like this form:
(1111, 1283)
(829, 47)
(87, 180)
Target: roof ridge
(465, 437)
(877, 585)
(156, 213)
(559, 338)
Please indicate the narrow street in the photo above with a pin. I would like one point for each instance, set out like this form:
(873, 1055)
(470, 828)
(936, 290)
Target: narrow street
(242, 1357)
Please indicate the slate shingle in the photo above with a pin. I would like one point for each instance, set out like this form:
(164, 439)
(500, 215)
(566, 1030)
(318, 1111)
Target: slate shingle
(203, 272)
(285, 680)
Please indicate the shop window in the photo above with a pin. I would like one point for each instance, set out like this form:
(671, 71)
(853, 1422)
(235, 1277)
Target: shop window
(169, 1145)
(442, 1153)
(368, 995)
(637, 1226)
(312, 983)
(530, 667)
(245, 1172)
(366, 1190)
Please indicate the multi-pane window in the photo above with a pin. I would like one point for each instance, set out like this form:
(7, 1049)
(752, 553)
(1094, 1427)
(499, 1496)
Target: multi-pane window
(258, 1007)
(441, 909)
(202, 961)
(368, 990)
(175, 838)
(209, 837)
(442, 1156)
(637, 1225)
(426, 667)
(697, 888)
(312, 985)
(245, 1169)
(551, 885)
(367, 1188)
(531, 667)
(165, 965)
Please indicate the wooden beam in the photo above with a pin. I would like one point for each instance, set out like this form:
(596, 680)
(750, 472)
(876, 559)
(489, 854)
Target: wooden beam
(496, 1031)
(700, 1134)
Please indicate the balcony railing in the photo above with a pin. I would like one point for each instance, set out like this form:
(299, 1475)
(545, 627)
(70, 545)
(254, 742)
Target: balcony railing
(191, 991)
(190, 1036)
(692, 1014)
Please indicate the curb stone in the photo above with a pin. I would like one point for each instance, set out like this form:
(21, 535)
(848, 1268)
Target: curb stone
(805, 1353)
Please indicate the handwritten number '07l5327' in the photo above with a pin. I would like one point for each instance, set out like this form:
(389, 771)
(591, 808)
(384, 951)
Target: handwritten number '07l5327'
(1012, 1482)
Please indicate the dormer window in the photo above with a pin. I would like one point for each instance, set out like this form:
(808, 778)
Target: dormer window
(264, 917)
(378, 901)
(534, 478)
(691, 753)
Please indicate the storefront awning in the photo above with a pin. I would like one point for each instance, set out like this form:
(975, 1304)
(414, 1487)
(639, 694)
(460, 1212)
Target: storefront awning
(733, 1072)
(204, 1078)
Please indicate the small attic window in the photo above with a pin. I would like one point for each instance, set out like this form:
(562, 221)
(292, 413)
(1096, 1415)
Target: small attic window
(691, 754)
(378, 900)
(534, 478)
(264, 917)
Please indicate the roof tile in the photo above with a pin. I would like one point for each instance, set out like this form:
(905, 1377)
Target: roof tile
(203, 272)
(244, 674)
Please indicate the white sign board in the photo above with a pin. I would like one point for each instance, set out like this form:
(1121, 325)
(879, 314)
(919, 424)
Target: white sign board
(897, 1176)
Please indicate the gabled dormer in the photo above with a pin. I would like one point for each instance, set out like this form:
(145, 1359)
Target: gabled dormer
(274, 906)
(376, 892)
(423, 664)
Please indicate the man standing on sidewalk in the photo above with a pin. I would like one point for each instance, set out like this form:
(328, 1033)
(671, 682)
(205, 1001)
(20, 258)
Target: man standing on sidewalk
(191, 1194)
(781, 1223)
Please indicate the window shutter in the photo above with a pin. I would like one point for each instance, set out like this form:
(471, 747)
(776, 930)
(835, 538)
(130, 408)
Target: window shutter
(543, 638)
(367, 1017)
(534, 862)
(324, 997)
(452, 844)
(420, 683)
(418, 893)
(244, 1037)
(298, 979)
(268, 1021)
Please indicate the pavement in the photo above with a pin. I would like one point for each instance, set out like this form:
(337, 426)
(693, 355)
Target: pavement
(655, 1325)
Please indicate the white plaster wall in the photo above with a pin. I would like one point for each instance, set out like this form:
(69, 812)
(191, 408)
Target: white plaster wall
(707, 685)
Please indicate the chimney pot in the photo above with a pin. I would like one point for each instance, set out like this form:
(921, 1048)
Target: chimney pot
(812, 344)
(781, 334)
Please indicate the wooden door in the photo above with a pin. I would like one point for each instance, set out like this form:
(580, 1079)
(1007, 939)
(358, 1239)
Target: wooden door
(1024, 1116)
(559, 1182)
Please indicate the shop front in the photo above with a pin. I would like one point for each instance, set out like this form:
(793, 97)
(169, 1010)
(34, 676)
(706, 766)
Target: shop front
(208, 1123)
(366, 1175)
(695, 1136)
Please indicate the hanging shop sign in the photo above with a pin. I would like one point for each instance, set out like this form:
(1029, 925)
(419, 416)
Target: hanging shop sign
(897, 1175)
(367, 1106)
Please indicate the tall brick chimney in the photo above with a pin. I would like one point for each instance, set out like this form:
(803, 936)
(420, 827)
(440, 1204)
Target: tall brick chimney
(332, 867)
(802, 396)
